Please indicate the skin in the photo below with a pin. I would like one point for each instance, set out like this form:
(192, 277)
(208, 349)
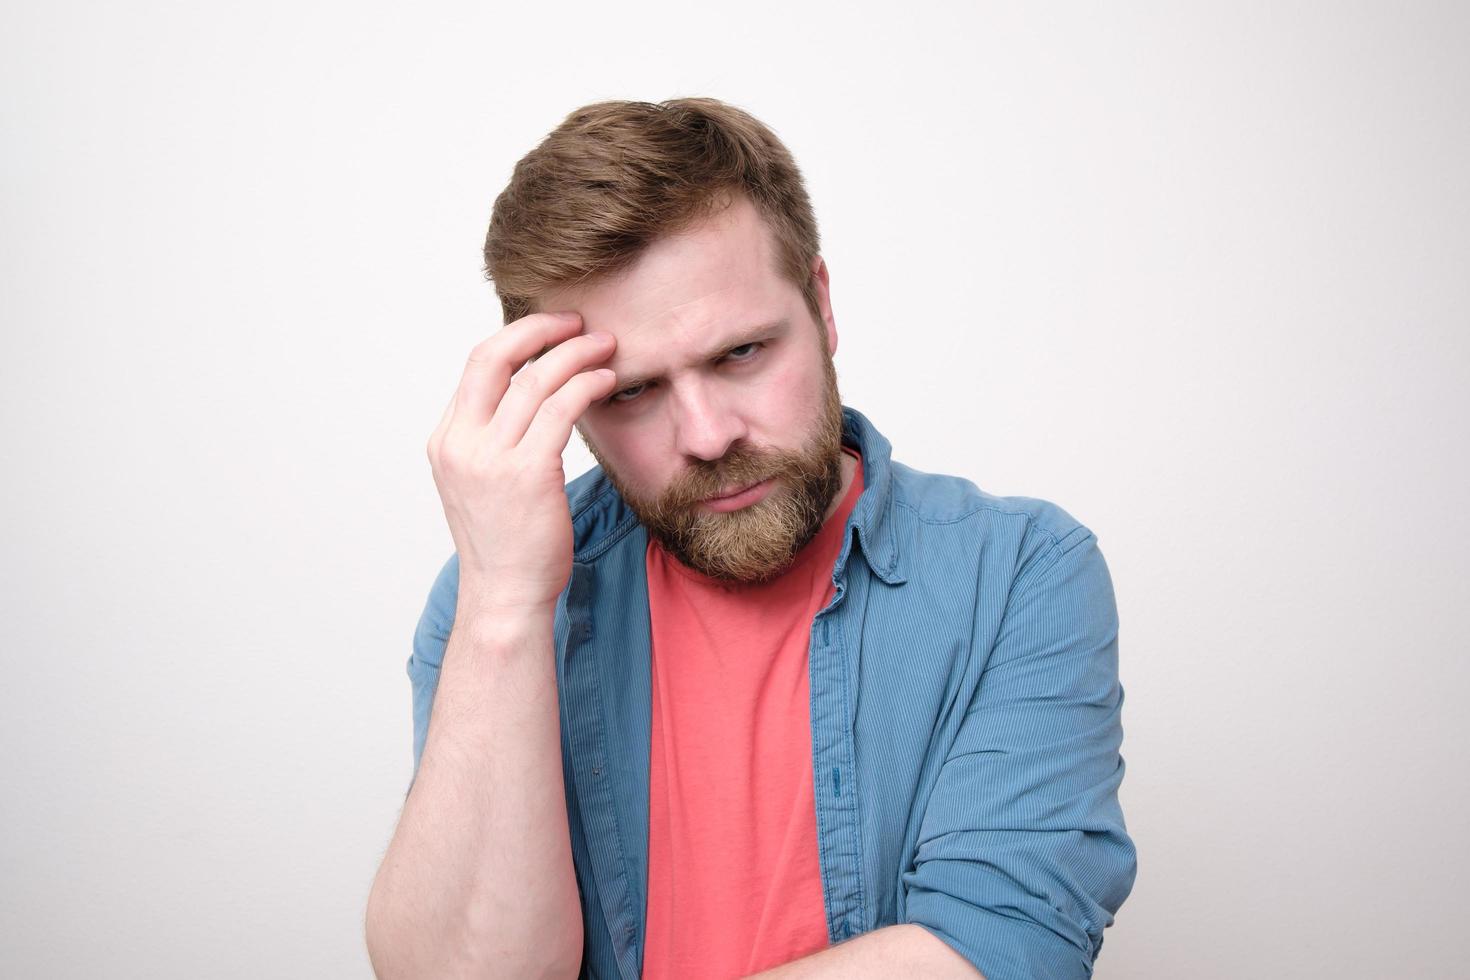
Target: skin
(677, 316)
(687, 297)
(487, 809)
(904, 950)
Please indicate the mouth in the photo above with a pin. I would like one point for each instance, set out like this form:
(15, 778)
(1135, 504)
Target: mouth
(735, 498)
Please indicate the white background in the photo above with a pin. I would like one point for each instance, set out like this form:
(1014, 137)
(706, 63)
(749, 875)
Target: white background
(1198, 273)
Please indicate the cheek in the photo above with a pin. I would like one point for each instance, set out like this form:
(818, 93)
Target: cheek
(794, 394)
(640, 455)
(650, 471)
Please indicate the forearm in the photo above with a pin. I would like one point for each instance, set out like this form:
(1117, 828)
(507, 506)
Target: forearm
(901, 950)
(478, 878)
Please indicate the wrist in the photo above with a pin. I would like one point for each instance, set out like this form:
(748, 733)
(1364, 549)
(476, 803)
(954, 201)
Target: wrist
(490, 620)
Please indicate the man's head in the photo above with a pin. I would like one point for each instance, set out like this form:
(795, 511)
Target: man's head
(683, 230)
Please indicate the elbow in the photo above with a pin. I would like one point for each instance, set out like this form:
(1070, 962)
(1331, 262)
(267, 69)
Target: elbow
(378, 934)
(571, 967)
(402, 948)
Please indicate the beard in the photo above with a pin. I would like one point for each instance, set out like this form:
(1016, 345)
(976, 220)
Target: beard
(756, 543)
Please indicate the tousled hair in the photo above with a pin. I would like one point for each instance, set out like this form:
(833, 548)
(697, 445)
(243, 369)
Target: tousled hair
(616, 176)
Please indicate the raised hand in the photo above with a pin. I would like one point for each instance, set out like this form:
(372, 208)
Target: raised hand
(496, 457)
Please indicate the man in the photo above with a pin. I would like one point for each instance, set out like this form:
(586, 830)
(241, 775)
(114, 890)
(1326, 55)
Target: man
(749, 695)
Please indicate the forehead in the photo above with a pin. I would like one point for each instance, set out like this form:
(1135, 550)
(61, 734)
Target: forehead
(716, 278)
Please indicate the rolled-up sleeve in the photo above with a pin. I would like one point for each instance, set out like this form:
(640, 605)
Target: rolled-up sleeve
(1023, 857)
(430, 637)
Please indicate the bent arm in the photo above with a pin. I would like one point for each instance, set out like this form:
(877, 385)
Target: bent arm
(899, 950)
(1023, 857)
(478, 878)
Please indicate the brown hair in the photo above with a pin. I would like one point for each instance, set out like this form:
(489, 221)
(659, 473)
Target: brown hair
(616, 176)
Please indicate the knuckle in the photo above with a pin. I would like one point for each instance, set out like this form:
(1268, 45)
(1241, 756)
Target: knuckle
(555, 409)
(456, 455)
(484, 350)
(446, 457)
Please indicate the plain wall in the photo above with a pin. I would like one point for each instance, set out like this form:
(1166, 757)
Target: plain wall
(1195, 272)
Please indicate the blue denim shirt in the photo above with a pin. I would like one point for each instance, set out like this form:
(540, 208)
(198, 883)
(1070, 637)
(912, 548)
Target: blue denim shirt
(965, 717)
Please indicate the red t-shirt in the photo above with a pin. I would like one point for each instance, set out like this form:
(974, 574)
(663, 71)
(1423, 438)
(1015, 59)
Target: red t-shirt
(734, 885)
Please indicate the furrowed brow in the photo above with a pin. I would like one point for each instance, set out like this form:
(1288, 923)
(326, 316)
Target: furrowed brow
(747, 336)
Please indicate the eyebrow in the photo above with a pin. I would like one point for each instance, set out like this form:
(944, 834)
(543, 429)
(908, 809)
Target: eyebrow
(740, 339)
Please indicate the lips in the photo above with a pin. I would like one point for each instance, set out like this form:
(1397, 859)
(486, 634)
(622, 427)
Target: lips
(734, 491)
(741, 497)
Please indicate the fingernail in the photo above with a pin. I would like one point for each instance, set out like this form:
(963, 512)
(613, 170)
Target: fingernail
(569, 315)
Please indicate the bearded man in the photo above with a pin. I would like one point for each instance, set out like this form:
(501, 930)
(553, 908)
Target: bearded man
(749, 695)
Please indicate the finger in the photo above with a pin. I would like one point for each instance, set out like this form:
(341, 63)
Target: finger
(551, 429)
(494, 360)
(537, 382)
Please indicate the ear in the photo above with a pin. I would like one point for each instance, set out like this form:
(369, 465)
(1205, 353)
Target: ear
(823, 284)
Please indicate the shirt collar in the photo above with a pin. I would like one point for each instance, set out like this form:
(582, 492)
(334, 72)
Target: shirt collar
(872, 518)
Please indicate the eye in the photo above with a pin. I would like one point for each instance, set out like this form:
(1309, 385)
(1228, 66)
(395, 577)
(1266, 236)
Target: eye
(629, 393)
(744, 352)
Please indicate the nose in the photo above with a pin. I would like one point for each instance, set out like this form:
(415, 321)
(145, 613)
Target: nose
(706, 424)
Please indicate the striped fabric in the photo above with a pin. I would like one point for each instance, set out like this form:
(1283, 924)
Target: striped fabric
(965, 713)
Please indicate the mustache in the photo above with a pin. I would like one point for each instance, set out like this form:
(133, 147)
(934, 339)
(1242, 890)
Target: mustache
(739, 467)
